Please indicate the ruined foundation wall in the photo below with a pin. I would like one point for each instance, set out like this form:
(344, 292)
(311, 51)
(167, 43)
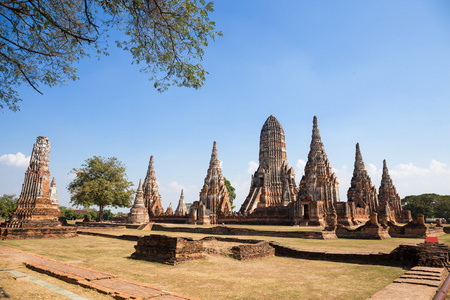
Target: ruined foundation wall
(253, 251)
(167, 250)
(224, 230)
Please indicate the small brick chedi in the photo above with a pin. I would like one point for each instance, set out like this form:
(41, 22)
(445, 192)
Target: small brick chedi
(37, 213)
(214, 197)
(273, 184)
(152, 198)
(138, 213)
(181, 208)
(319, 187)
(361, 192)
(390, 200)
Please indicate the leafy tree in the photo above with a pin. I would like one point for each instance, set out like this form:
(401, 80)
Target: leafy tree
(70, 214)
(442, 207)
(231, 191)
(421, 204)
(40, 40)
(107, 214)
(63, 210)
(102, 182)
(92, 213)
(8, 203)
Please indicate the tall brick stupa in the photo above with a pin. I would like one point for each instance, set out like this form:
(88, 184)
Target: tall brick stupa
(36, 215)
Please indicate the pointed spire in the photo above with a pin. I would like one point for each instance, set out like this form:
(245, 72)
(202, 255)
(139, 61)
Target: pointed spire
(388, 193)
(53, 182)
(169, 210)
(316, 132)
(359, 163)
(138, 213)
(386, 180)
(316, 140)
(151, 168)
(319, 181)
(214, 162)
(139, 190)
(181, 208)
(139, 199)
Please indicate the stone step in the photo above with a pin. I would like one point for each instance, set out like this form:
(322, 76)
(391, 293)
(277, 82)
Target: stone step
(406, 276)
(429, 269)
(425, 282)
(424, 274)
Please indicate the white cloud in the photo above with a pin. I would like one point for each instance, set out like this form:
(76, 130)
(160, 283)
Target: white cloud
(300, 167)
(176, 186)
(252, 167)
(409, 179)
(372, 170)
(412, 180)
(18, 160)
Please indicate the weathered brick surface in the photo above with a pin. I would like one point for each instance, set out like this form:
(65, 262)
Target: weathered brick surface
(214, 193)
(168, 250)
(37, 215)
(273, 183)
(105, 283)
(37, 233)
(319, 182)
(371, 230)
(253, 251)
(415, 229)
(424, 254)
(138, 213)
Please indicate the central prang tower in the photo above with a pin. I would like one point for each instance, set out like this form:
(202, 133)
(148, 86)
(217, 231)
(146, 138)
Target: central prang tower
(273, 183)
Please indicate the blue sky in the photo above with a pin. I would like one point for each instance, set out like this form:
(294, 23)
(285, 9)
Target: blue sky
(373, 72)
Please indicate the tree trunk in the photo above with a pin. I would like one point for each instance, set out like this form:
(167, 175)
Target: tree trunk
(100, 213)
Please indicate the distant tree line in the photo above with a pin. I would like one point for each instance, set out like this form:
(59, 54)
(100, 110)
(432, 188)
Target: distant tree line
(430, 205)
(73, 214)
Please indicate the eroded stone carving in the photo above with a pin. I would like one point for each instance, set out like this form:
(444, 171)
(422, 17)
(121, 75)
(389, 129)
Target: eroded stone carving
(214, 194)
(138, 213)
(273, 183)
(181, 208)
(152, 198)
(387, 196)
(34, 207)
(37, 213)
(319, 180)
(361, 192)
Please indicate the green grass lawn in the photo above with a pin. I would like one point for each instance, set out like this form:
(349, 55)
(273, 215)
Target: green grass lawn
(217, 277)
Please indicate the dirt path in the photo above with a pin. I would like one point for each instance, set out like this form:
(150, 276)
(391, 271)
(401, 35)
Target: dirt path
(103, 282)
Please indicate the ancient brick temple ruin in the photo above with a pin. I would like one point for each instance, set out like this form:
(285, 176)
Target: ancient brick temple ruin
(138, 213)
(214, 197)
(361, 192)
(273, 184)
(318, 188)
(37, 213)
(390, 201)
(152, 198)
(181, 208)
(274, 197)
